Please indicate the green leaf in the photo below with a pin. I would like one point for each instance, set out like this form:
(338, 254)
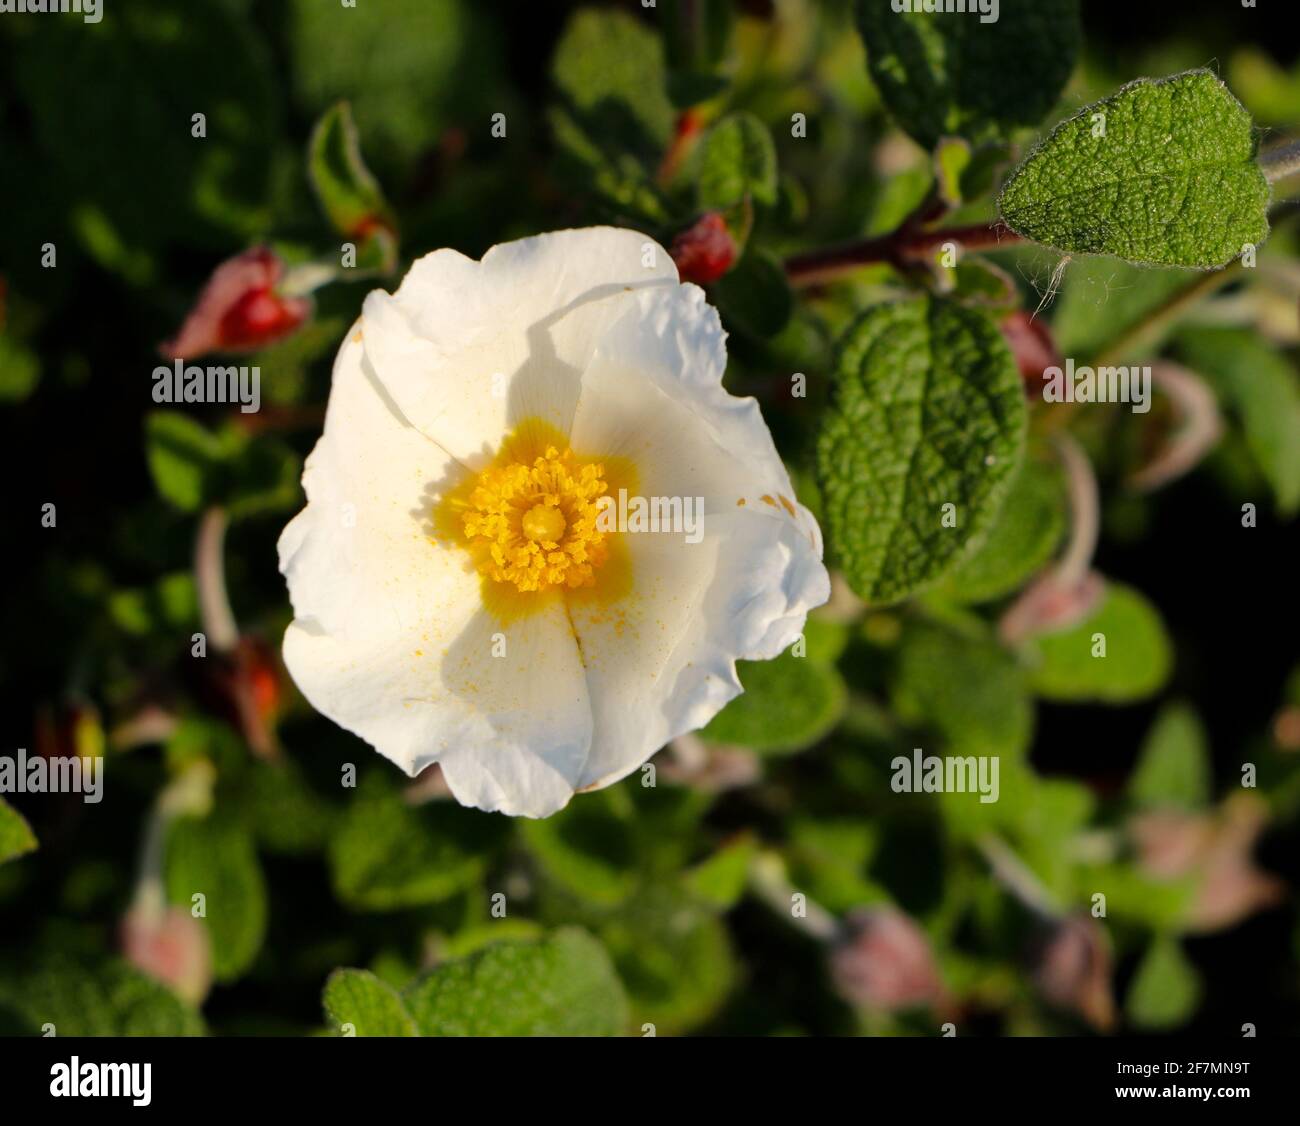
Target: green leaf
(396, 61)
(737, 161)
(371, 1007)
(828, 858)
(169, 604)
(696, 37)
(561, 986)
(943, 73)
(789, 703)
(90, 998)
(929, 413)
(16, 836)
(617, 179)
(984, 169)
(1166, 988)
(588, 848)
(288, 817)
(952, 157)
(754, 295)
(1139, 899)
(897, 197)
(184, 458)
(824, 639)
(978, 282)
(350, 195)
(1137, 657)
(386, 854)
(214, 857)
(193, 467)
(1172, 182)
(967, 688)
(675, 959)
(609, 68)
(1021, 539)
(1174, 765)
(720, 880)
(1258, 384)
(263, 475)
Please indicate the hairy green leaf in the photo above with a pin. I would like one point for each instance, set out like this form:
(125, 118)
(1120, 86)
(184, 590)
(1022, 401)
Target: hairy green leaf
(720, 880)
(561, 986)
(737, 160)
(1021, 539)
(89, 998)
(386, 854)
(357, 1003)
(925, 436)
(1162, 172)
(949, 73)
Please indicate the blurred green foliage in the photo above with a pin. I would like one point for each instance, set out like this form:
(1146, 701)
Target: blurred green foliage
(325, 878)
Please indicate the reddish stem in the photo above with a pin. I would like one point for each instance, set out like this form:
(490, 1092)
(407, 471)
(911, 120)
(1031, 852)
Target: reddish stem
(903, 245)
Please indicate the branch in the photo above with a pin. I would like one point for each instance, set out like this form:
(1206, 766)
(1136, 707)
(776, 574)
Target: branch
(904, 245)
(1280, 162)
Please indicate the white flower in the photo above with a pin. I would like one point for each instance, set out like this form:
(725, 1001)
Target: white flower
(454, 601)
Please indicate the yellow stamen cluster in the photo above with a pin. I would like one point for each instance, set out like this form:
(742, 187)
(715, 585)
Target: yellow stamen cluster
(538, 522)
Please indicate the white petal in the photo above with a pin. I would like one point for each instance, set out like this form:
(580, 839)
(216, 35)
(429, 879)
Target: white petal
(662, 662)
(390, 640)
(511, 732)
(359, 558)
(468, 349)
(687, 435)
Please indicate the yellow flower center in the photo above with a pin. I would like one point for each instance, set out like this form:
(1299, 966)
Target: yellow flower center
(538, 521)
(544, 522)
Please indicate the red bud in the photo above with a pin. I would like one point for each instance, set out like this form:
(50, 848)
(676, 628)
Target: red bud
(705, 251)
(885, 962)
(1074, 970)
(171, 946)
(239, 310)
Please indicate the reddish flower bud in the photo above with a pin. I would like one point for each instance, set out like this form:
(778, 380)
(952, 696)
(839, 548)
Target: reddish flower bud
(1216, 850)
(705, 251)
(171, 946)
(1050, 604)
(239, 309)
(884, 962)
(1074, 971)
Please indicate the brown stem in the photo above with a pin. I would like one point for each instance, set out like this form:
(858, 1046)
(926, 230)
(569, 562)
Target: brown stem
(903, 245)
